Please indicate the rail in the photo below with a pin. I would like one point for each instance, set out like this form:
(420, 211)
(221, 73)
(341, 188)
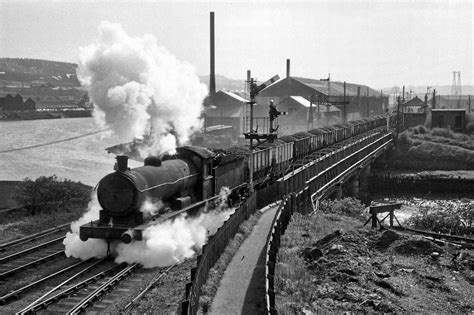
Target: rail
(28, 250)
(43, 303)
(31, 264)
(102, 289)
(132, 304)
(15, 293)
(34, 236)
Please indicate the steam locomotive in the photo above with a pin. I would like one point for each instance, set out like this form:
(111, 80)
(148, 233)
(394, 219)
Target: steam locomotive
(195, 174)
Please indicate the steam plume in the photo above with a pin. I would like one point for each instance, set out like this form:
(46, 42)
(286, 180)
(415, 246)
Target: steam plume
(141, 90)
(173, 241)
(92, 247)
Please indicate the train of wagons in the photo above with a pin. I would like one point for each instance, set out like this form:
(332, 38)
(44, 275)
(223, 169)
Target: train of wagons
(195, 174)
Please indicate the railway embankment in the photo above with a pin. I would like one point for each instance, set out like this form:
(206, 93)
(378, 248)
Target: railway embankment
(421, 149)
(330, 263)
(426, 161)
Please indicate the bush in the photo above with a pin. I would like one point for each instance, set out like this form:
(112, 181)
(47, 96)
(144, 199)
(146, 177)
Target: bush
(46, 194)
(419, 130)
(457, 222)
(470, 127)
(346, 206)
(442, 132)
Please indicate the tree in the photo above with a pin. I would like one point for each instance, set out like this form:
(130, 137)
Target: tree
(50, 194)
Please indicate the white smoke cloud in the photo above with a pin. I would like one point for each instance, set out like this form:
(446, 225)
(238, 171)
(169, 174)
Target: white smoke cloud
(172, 241)
(163, 244)
(92, 247)
(150, 207)
(141, 90)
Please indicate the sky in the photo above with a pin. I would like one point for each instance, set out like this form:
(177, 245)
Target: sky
(378, 43)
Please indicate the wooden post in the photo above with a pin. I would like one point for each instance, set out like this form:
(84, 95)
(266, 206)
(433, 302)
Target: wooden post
(374, 220)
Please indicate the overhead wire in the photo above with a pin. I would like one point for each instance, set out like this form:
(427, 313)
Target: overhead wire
(54, 142)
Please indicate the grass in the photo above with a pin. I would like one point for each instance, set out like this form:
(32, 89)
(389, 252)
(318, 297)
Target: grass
(17, 226)
(217, 272)
(294, 286)
(442, 149)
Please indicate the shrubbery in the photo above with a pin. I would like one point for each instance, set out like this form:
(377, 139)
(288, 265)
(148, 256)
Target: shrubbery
(470, 127)
(46, 194)
(346, 206)
(442, 148)
(452, 221)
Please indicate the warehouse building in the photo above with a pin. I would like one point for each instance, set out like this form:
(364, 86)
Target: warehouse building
(360, 100)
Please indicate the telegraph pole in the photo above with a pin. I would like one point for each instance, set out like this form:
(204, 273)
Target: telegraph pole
(344, 119)
(398, 115)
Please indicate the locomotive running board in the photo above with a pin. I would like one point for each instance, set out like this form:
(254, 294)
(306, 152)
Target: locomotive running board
(108, 233)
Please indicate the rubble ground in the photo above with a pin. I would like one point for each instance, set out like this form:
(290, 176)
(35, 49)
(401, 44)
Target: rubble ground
(359, 269)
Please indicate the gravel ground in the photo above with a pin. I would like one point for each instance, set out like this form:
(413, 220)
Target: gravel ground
(368, 270)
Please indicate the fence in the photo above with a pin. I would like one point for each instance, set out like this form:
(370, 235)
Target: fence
(279, 225)
(211, 253)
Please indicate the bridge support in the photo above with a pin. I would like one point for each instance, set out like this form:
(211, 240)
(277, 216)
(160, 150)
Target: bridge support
(364, 178)
(339, 191)
(355, 186)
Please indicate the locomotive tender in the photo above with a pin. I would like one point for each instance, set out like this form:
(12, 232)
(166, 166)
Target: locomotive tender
(196, 174)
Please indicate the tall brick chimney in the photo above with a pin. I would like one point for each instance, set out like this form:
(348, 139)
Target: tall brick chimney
(212, 76)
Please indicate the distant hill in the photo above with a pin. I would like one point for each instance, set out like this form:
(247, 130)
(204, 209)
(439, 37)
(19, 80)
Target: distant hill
(223, 83)
(440, 89)
(19, 71)
(41, 72)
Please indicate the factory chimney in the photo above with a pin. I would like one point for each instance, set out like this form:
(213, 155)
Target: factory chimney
(287, 68)
(212, 76)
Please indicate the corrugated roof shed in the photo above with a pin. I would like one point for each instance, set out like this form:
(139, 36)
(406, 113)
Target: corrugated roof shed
(322, 108)
(337, 88)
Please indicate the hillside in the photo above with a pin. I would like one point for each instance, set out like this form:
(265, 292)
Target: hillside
(19, 71)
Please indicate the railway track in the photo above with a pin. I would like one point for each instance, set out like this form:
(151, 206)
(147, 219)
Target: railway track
(103, 291)
(79, 290)
(12, 245)
(30, 257)
(460, 241)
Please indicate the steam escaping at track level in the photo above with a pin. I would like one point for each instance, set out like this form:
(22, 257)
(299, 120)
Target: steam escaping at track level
(163, 244)
(141, 90)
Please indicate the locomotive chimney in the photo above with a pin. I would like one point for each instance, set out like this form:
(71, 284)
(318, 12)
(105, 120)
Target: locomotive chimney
(122, 163)
(212, 76)
(287, 68)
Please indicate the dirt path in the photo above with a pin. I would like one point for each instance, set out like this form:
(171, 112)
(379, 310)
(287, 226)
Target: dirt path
(242, 288)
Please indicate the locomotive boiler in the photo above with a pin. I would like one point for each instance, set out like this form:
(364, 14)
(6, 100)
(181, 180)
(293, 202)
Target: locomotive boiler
(175, 181)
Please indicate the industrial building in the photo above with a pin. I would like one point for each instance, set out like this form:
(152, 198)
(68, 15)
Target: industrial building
(453, 118)
(225, 109)
(452, 101)
(300, 115)
(355, 101)
(16, 103)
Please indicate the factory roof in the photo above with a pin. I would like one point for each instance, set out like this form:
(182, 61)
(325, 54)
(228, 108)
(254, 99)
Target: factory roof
(336, 87)
(301, 100)
(233, 95)
(448, 110)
